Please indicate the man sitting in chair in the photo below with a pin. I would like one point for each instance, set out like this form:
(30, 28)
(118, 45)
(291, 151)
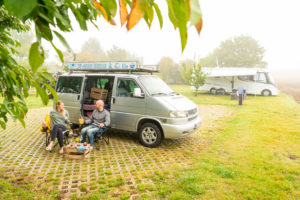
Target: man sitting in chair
(99, 121)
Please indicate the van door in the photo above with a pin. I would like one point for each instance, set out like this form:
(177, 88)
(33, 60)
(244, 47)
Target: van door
(69, 90)
(126, 109)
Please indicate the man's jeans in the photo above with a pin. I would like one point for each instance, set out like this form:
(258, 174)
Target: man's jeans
(91, 131)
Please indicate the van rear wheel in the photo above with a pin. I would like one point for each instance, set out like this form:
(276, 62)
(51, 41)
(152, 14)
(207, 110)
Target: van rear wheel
(266, 93)
(150, 135)
(221, 91)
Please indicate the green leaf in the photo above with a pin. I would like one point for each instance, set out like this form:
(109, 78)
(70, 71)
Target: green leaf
(41, 92)
(21, 120)
(46, 32)
(45, 17)
(66, 68)
(59, 53)
(79, 18)
(195, 13)
(128, 2)
(48, 76)
(25, 89)
(150, 14)
(62, 19)
(36, 56)
(63, 41)
(158, 13)
(110, 7)
(20, 8)
(52, 91)
(2, 124)
(179, 16)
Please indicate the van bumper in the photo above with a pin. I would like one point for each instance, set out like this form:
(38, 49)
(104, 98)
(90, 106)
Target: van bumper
(173, 131)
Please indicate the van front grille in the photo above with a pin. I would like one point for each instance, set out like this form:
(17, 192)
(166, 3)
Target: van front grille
(192, 118)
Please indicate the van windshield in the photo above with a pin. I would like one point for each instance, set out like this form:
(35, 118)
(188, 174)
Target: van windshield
(155, 86)
(270, 79)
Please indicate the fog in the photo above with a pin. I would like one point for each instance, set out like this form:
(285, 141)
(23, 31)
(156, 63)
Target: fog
(273, 23)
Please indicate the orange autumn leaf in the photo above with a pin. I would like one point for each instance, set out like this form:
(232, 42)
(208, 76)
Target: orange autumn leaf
(199, 26)
(135, 15)
(99, 6)
(123, 12)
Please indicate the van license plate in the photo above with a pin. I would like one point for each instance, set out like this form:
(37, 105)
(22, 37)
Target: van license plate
(195, 126)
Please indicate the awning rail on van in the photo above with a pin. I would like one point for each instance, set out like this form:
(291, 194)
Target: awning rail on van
(110, 67)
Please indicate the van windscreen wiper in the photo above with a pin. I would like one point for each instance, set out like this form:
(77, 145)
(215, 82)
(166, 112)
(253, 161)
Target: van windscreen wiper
(159, 93)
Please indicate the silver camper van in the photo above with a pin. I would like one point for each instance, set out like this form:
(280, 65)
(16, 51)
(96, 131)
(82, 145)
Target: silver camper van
(138, 102)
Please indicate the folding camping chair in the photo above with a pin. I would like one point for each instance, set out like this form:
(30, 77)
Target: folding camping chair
(101, 135)
(46, 129)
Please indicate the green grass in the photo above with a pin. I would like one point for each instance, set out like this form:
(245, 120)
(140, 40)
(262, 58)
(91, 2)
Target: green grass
(10, 191)
(33, 101)
(256, 156)
(253, 154)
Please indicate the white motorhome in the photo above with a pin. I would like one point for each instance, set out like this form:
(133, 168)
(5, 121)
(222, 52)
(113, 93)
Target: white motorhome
(256, 81)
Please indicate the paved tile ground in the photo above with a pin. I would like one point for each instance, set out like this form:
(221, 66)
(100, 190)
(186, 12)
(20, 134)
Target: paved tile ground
(124, 168)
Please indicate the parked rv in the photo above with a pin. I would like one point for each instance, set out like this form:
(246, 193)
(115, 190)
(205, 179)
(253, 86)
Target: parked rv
(138, 102)
(255, 81)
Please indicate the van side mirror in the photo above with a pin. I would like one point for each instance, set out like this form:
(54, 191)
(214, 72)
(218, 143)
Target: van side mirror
(137, 92)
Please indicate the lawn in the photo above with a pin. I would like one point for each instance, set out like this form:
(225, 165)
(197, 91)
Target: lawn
(33, 101)
(256, 156)
(252, 154)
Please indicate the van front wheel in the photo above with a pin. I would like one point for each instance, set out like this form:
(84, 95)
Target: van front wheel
(150, 135)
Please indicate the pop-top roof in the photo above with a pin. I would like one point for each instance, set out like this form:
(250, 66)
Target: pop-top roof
(124, 66)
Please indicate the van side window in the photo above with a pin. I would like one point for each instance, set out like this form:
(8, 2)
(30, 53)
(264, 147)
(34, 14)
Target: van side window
(69, 85)
(246, 78)
(125, 87)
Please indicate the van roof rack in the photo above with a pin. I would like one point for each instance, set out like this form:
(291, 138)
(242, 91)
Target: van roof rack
(124, 66)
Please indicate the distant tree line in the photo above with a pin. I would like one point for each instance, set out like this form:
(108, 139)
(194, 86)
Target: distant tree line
(92, 51)
(239, 51)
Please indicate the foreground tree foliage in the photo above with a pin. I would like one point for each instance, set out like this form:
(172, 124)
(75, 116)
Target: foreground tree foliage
(240, 51)
(51, 17)
(15, 80)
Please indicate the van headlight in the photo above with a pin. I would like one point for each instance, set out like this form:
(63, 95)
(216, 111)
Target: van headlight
(178, 114)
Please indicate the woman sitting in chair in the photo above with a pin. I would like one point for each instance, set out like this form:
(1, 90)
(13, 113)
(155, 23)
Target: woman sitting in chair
(59, 120)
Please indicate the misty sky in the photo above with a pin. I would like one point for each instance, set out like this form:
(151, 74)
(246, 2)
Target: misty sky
(274, 23)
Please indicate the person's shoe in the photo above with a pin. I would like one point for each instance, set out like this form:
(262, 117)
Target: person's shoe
(48, 148)
(61, 151)
(91, 148)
